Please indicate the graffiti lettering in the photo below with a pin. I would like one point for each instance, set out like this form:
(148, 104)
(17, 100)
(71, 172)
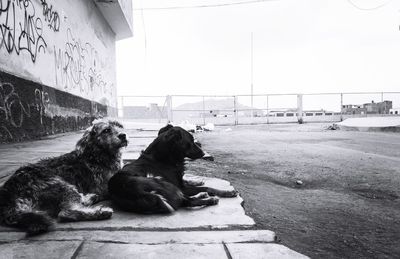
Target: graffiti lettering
(50, 16)
(12, 109)
(25, 35)
(42, 102)
(78, 66)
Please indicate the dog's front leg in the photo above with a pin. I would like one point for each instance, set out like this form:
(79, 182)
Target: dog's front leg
(193, 190)
(93, 198)
(78, 212)
(89, 199)
(192, 182)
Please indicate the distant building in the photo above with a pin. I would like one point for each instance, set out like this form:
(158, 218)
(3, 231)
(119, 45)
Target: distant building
(153, 111)
(353, 109)
(282, 113)
(293, 113)
(378, 108)
(368, 108)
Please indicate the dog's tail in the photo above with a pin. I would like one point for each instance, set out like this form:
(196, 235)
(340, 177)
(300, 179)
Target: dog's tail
(33, 222)
(22, 215)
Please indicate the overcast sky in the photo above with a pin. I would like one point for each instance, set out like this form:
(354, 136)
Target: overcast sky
(300, 46)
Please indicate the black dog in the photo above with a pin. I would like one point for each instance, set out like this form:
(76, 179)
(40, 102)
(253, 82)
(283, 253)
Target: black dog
(154, 182)
(65, 186)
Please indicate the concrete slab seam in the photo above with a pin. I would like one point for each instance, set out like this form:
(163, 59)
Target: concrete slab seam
(77, 251)
(226, 249)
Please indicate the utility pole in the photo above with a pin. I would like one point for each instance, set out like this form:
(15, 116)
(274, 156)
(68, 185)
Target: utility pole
(252, 111)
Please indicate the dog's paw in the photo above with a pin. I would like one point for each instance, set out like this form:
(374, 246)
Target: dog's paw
(105, 212)
(37, 223)
(229, 194)
(213, 200)
(201, 195)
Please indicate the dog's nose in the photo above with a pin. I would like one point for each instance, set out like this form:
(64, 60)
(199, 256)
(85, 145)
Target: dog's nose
(122, 136)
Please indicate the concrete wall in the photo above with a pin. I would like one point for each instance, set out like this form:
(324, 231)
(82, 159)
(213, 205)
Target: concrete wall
(54, 54)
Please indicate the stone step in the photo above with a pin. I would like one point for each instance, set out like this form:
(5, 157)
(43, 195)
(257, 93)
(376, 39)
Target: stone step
(251, 244)
(148, 237)
(76, 249)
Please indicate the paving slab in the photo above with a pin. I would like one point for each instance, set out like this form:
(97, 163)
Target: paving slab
(149, 237)
(169, 251)
(261, 251)
(41, 249)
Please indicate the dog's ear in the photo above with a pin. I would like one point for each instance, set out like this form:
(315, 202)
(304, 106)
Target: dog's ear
(173, 135)
(165, 128)
(84, 141)
(116, 124)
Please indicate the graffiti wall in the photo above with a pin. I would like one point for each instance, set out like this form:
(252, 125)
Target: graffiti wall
(57, 60)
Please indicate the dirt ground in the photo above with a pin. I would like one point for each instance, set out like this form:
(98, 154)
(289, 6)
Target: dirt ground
(348, 204)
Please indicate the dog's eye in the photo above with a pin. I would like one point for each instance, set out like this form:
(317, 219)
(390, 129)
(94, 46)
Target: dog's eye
(107, 131)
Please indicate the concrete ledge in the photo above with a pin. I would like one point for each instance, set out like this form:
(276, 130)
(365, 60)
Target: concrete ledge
(371, 129)
(148, 237)
(255, 251)
(374, 124)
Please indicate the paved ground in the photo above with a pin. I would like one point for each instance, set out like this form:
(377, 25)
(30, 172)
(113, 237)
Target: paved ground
(222, 231)
(348, 204)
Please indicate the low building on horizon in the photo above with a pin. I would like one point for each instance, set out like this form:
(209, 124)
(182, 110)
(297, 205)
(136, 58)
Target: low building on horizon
(368, 108)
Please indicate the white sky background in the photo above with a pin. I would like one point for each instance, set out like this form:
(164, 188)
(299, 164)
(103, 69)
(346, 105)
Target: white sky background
(300, 46)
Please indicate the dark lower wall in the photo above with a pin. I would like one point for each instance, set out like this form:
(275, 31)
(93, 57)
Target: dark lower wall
(30, 110)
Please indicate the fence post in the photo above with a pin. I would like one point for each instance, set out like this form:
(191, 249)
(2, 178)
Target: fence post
(169, 108)
(341, 107)
(267, 109)
(300, 108)
(235, 112)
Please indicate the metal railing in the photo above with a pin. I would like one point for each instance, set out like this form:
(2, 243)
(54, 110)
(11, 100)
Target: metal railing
(267, 108)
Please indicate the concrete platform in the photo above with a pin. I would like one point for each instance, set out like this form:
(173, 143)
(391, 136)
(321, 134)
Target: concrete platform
(377, 124)
(29, 248)
(221, 231)
(147, 237)
(228, 213)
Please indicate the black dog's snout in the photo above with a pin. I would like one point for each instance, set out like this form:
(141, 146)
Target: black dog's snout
(122, 136)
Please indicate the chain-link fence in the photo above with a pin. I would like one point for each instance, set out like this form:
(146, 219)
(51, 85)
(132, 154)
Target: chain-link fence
(258, 109)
